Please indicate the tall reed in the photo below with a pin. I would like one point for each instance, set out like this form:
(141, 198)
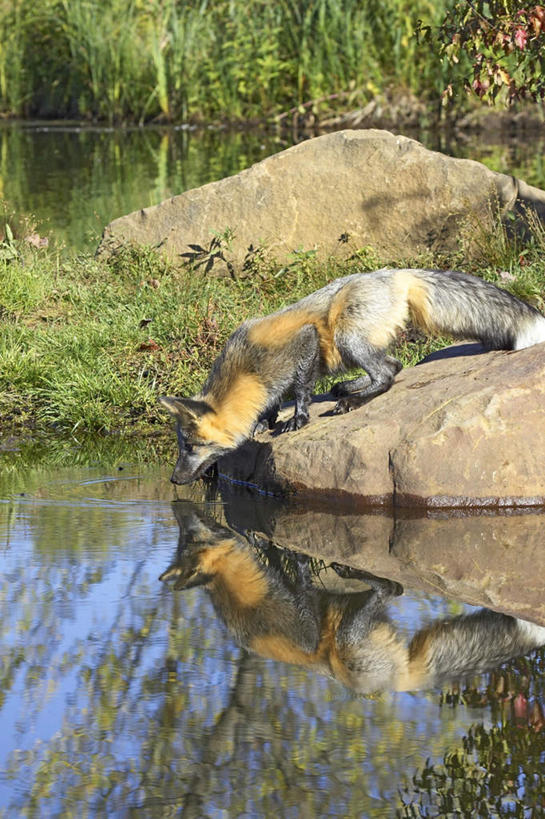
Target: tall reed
(196, 59)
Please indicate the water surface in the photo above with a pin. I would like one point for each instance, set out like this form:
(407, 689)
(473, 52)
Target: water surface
(122, 694)
(75, 180)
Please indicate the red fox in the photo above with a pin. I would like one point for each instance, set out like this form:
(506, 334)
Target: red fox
(348, 637)
(348, 323)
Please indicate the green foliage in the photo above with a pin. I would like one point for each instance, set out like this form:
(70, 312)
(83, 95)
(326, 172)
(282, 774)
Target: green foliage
(508, 251)
(206, 257)
(501, 47)
(138, 60)
(8, 249)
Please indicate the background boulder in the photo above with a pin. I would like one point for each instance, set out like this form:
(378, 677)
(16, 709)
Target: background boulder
(333, 193)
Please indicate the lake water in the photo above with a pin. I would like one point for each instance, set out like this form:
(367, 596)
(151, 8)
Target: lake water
(76, 179)
(123, 695)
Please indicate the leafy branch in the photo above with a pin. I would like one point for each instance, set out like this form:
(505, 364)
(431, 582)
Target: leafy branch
(498, 45)
(206, 257)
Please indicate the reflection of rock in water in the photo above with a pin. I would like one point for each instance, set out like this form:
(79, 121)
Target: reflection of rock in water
(272, 607)
(483, 557)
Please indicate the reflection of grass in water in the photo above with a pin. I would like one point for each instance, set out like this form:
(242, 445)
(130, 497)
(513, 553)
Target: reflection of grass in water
(93, 176)
(93, 473)
(26, 463)
(523, 158)
(109, 451)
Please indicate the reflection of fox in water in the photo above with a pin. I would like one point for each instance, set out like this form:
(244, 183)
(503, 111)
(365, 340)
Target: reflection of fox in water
(346, 636)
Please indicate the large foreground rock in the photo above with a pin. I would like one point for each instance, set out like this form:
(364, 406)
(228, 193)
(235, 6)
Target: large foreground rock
(452, 432)
(332, 193)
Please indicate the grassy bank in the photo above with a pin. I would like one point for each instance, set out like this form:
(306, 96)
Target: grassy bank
(87, 346)
(136, 60)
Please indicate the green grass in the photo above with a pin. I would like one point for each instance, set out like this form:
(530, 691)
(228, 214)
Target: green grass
(86, 346)
(137, 60)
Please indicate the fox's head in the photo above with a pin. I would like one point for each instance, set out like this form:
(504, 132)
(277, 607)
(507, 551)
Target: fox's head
(203, 548)
(201, 440)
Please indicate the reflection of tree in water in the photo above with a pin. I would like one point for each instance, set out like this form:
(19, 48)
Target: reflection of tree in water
(498, 769)
(182, 746)
(234, 730)
(86, 173)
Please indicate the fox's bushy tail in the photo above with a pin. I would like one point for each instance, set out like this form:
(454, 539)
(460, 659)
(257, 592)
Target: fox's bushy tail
(466, 306)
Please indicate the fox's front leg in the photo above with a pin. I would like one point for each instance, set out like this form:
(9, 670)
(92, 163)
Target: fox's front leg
(267, 420)
(306, 348)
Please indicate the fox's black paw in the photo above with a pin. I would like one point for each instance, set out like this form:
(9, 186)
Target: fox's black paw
(342, 407)
(349, 403)
(384, 587)
(292, 424)
(342, 570)
(392, 589)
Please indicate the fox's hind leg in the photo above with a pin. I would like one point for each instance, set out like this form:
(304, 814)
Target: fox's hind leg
(381, 370)
(267, 420)
(344, 388)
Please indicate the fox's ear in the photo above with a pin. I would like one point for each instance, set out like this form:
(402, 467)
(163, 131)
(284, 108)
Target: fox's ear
(174, 405)
(186, 410)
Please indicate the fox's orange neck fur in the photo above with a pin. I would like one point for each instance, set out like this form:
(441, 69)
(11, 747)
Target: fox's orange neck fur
(236, 574)
(235, 412)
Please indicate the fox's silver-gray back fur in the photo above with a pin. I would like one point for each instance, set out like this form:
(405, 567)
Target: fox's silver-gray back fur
(458, 304)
